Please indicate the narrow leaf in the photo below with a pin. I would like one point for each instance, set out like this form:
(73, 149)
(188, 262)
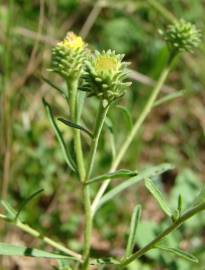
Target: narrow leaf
(133, 229)
(73, 125)
(180, 203)
(12, 250)
(146, 173)
(59, 136)
(53, 85)
(153, 189)
(114, 175)
(27, 201)
(180, 253)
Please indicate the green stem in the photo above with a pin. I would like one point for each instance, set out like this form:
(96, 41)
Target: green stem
(161, 9)
(86, 188)
(26, 228)
(133, 132)
(73, 87)
(188, 214)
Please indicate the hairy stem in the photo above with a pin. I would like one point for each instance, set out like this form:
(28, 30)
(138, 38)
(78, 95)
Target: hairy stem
(72, 88)
(26, 228)
(133, 132)
(86, 188)
(188, 214)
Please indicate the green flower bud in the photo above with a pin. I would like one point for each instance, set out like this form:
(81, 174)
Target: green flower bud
(105, 76)
(68, 57)
(182, 36)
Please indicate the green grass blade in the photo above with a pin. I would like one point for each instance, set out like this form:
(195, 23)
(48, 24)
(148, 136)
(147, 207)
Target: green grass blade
(123, 173)
(59, 136)
(136, 215)
(157, 194)
(146, 173)
(180, 253)
(74, 125)
(12, 250)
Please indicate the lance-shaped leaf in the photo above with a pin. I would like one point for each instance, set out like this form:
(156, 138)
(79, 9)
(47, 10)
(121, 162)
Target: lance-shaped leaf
(133, 229)
(114, 175)
(74, 125)
(12, 250)
(33, 195)
(59, 136)
(180, 253)
(146, 173)
(157, 194)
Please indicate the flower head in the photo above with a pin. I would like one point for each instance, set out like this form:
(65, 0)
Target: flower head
(182, 36)
(105, 76)
(68, 56)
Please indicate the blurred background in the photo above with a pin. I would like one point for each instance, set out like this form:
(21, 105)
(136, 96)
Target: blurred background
(174, 132)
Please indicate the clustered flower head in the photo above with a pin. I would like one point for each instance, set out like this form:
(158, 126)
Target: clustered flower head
(68, 56)
(182, 36)
(105, 76)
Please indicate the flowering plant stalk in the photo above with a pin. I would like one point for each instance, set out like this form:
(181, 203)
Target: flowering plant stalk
(104, 76)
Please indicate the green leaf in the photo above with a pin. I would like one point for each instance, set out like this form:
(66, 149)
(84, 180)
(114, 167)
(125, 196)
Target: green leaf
(158, 196)
(27, 201)
(127, 116)
(180, 253)
(12, 250)
(146, 173)
(114, 175)
(74, 125)
(59, 136)
(136, 215)
(53, 85)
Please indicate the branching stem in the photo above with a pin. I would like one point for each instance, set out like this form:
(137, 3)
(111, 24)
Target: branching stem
(133, 133)
(188, 214)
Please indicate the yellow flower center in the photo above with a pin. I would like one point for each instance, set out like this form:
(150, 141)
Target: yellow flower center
(73, 42)
(105, 63)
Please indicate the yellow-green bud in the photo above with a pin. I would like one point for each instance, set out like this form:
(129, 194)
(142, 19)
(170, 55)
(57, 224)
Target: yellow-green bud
(182, 36)
(68, 56)
(105, 76)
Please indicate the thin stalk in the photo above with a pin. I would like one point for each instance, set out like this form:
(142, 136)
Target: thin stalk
(73, 87)
(26, 228)
(133, 132)
(188, 214)
(86, 188)
(160, 8)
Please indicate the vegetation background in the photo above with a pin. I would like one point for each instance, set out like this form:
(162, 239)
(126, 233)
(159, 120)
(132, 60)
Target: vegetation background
(174, 132)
